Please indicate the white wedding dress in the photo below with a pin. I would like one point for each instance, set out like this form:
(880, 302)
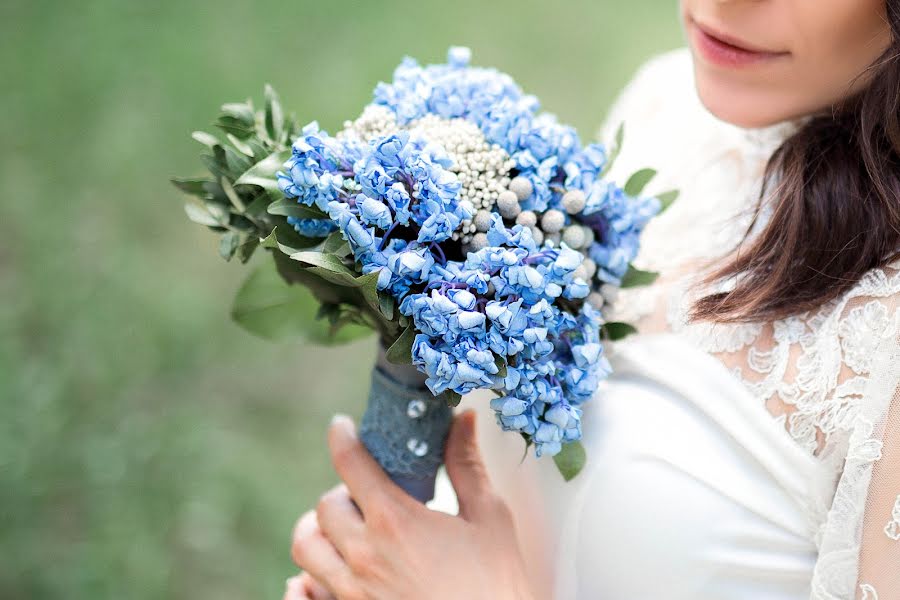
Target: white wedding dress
(756, 461)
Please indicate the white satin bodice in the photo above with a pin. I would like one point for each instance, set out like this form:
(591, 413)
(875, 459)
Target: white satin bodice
(690, 481)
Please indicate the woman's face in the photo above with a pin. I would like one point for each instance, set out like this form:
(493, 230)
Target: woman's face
(758, 62)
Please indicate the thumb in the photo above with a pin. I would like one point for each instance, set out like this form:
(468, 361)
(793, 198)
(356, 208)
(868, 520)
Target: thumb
(465, 467)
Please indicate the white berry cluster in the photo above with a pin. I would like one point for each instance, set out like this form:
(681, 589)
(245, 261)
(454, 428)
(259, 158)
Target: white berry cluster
(375, 121)
(482, 168)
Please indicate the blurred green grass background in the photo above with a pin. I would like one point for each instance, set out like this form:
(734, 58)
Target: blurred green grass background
(148, 447)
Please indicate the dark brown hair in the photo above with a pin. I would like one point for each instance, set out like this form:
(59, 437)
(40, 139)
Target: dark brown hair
(835, 206)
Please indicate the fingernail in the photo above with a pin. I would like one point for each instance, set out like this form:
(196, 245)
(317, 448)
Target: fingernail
(343, 422)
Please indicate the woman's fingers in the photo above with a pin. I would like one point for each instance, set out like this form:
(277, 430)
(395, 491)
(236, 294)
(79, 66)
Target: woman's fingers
(294, 590)
(313, 553)
(304, 587)
(314, 589)
(367, 482)
(464, 466)
(339, 519)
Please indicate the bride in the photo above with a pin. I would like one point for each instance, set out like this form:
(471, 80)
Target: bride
(748, 443)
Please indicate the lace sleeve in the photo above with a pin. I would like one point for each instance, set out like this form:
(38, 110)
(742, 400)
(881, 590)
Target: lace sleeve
(859, 551)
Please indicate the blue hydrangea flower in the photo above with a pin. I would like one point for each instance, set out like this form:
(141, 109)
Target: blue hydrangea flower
(313, 228)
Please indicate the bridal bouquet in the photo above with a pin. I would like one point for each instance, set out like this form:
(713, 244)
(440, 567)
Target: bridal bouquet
(473, 233)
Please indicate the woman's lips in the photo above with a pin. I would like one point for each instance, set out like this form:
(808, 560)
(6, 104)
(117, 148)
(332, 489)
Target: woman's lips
(726, 51)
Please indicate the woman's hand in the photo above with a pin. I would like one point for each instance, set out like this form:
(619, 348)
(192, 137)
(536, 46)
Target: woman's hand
(396, 548)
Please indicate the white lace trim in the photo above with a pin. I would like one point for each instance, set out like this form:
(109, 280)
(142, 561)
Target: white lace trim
(868, 592)
(892, 529)
(815, 365)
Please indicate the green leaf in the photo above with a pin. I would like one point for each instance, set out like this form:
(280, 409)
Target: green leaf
(208, 140)
(570, 460)
(218, 212)
(257, 208)
(263, 172)
(228, 245)
(400, 352)
(368, 285)
(191, 185)
(616, 331)
(201, 216)
(386, 304)
(501, 366)
(326, 263)
(248, 246)
(291, 208)
(241, 146)
(336, 244)
(287, 241)
(638, 181)
(234, 126)
(268, 307)
(635, 277)
(528, 442)
(667, 198)
(237, 162)
(212, 164)
(241, 111)
(274, 114)
(451, 398)
(237, 119)
(232, 195)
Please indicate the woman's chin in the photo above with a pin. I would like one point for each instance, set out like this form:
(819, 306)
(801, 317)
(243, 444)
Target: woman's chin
(740, 111)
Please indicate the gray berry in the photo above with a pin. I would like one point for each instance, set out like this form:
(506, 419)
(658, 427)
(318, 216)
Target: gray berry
(521, 187)
(482, 220)
(553, 221)
(479, 241)
(581, 273)
(573, 201)
(527, 218)
(573, 236)
(508, 204)
(589, 236)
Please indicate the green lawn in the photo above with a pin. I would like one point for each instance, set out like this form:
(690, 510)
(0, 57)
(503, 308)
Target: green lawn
(137, 457)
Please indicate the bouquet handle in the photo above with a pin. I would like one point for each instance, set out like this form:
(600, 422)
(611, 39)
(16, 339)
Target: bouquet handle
(405, 427)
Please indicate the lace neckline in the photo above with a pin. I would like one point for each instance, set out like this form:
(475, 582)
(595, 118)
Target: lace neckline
(767, 139)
